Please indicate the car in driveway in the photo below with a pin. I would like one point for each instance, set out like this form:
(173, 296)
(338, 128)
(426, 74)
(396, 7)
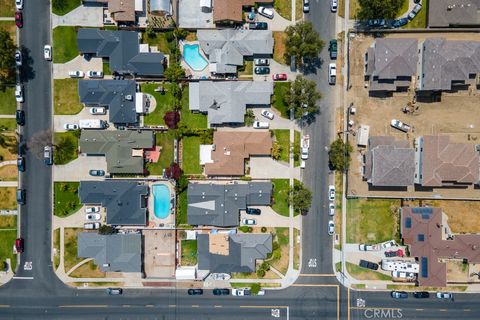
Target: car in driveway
(260, 125)
(95, 74)
(306, 6)
(48, 155)
(92, 209)
(262, 70)
(388, 244)
(258, 26)
(221, 292)
(444, 295)
(19, 93)
(394, 253)
(114, 291)
(70, 126)
(91, 225)
(96, 173)
(21, 164)
(421, 294)
(399, 294)
(332, 48)
(333, 5)
(19, 19)
(376, 23)
(331, 209)
(92, 216)
(368, 247)
(19, 245)
(249, 222)
(98, 110)
(331, 227)
(266, 12)
(368, 265)
(240, 292)
(76, 74)
(18, 58)
(47, 52)
(253, 211)
(400, 22)
(331, 192)
(19, 4)
(20, 117)
(414, 11)
(279, 77)
(261, 62)
(195, 292)
(267, 114)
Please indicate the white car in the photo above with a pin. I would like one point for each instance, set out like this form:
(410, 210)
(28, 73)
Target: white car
(444, 295)
(268, 13)
(334, 5)
(331, 192)
(98, 110)
(388, 244)
(47, 52)
(92, 216)
(306, 6)
(249, 222)
(70, 126)
(267, 114)
(91, 226)
(240, 292)
(414, 11)
(19, 4)
(260, 125)
(95, 74)
(261, 62)
(19, 93)
(332, 73)
(76, 74)
(92, 210)
(18, 58)
(331, 227)
(331, 209)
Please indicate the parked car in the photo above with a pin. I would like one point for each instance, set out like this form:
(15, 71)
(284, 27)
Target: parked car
(331, 192)
(48, 155)
(195, 292)
(332, 47)
(262, 70)
(399, 294)
(260, 125)
(279, 77)
(268, 13)
(306, 6)
(333, 5)
(240, 292)
(21, 196)
(397, 124)
(47, 52)
(21, 164)
(261, 62)
(376, 23)
(332, 73)
(421, 294)
(20, 117)
(221, 292)
(18, 58)
(91, 225)
(249, 222)
(400, 22)
(70, 126)
(19, 4)
(98, 110)
(95, 74)
(96, 173)
(258, 26)
(394, 253)
(19, 93)
(254, 211)
(19, 19)
(368, 247)
(92, 209)
(19, 245)
(261, 292)
(409, 276)
(114, 291)
(267, 114)
(331, 208)
(92, 216)
(331, 227)
(388, 244)
(76, 74)
(414, 11)
(368, 264)
(444, 295)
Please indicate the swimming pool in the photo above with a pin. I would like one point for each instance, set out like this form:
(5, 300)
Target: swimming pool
(193, 58)
(161, 200)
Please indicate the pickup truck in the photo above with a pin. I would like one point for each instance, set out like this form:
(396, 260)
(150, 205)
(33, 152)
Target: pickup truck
(397, 124)
(305, 145)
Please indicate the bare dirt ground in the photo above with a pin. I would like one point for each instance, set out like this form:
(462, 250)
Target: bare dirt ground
(454, 115)
(457, 271)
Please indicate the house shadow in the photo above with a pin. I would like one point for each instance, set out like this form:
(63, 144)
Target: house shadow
(387, 188)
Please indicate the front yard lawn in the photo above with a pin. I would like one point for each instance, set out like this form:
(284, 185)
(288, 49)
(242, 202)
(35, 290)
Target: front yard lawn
(279, 103)
(279, 46)
(8, 221)
(7, 8)
(8, 173)
(65, 97)
(64, 44)
(7, 124)
(360, 273)
(7, 101)
(88, 270)
(10, 27)
(282, 137)
(66, 200)
(165, 140)
(189, 252)
(63, 7)
(281, 190)
(420, 20)
(372, 220)
(7, 240)
(8, 147)
(191, 155)
(247, 69)
(8, 199)
(165, 103)
(190, 119)
(66, 147)
(279, 258)
(70, 258)
(283, 8)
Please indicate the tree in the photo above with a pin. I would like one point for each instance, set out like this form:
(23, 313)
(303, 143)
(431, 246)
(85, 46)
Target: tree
(302, 42)
(173, 172)
(104, 229)
(301, 197)
(182, 183)
(255, 288)
(180, 34)
(150, 32)
(379, 9)
(174, 72)
(339, 155)
(171, 119)
(7, 59)
(249, 118)
(302, 97)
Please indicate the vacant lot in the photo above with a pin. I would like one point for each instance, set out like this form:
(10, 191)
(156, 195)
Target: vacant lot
(65, 96)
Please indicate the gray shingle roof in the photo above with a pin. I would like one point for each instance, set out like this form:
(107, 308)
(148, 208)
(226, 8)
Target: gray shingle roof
(112, 253)
(244, 250)
(219, 204)
(113, 94)
(124, 200)
(122, 50)
(226, 101)
(117, 146)
(458, 13)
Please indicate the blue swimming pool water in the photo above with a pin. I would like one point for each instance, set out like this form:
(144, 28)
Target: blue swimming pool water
(193, 58)
(161, 200)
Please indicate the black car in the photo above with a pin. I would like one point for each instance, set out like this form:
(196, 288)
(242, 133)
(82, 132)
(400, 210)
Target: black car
(256, 212)
(21, 196)
(376, 23)
(400, 22)
(221, 292)
(368, 265)
(258, 26)
(195, 292)
(262, 70)
(421, 294)
(332, 47)
(97, 173)
(21, 164)
(20, 117)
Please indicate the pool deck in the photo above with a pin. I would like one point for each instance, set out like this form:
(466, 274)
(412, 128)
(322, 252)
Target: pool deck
(155, 222)
(189, 71)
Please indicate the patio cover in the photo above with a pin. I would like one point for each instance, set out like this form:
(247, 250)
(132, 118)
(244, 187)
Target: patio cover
(206, 153)
(206, 3)
(160, 6)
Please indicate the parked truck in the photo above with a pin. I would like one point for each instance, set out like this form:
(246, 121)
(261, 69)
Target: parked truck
(92, 124)
(304, 146)
(397, 124)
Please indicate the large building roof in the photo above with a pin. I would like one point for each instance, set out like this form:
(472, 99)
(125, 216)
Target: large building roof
(233, 147)
(118, 148)
(223, 253)
(211, 204)
(112, 253)
(232, 10)
(226, 48)
(453, 13)
(124, 200)
(226, 101)
(117, 95)
(122, 50)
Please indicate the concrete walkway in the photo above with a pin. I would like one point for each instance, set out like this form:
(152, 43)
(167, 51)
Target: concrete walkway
(7, 19)
(8, 163)
(7, 184)
(85, 16)
(7, 116)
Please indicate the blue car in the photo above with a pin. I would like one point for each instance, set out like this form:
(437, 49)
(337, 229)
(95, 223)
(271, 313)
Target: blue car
(400, 22)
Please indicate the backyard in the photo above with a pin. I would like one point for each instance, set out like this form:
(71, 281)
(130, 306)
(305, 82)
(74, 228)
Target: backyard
(189, 252)
(281, 190)
(64, 44)
(279, 91)
(7, 101)
(282, 138)
(159, 40)
(181, 218)
(70, 257)
(360, 273)
(191, 155)
(188, 118)
(63, 7)
(66, 147)
(65, 97)
(165, 141)
(66, 200)
(164, 101)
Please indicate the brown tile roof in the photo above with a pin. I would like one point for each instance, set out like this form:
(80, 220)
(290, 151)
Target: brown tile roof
(428, 223)
(122, 10)
(231, 10)
(445, 163)
(233, 147)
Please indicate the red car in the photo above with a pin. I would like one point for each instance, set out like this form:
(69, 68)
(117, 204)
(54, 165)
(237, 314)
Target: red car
(394, 253)
(19, 245)
(19, 19)
(279, 76)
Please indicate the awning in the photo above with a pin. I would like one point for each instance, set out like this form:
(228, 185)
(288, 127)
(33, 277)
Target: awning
(185, 273)
(160, 6)
(206, 153)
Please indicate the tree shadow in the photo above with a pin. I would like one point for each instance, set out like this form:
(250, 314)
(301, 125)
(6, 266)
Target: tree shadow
(26, 70)
(311, 65)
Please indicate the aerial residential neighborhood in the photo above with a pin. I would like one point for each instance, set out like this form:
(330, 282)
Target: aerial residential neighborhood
(241, 159)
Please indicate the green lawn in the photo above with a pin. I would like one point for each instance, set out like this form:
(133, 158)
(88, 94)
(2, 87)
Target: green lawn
(7, 101)
(63, 7)
(372, 220)
(8, 221)
(282, 236)
(360, 273)
(10, 27)
(64, 44)
(65, 97)
(403, 10)
(191, 120)
(189, 253)
(420, 20)
(106, 68)
(296, 148)
(191, 155)
(66, 147)
(247, 69)
(282, 137)
(70, 257)
(7, 124)
(7, 240)
(279, 90)
(65, 199)
(283, 8)
(181, 218)
(165, 140)
(281, 188)
(160, 41)
(165, 103)
(7, 8)
(8, 199)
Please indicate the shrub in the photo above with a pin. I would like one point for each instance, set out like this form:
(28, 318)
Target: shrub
(264, 229)
(261, 273)
(255, 288)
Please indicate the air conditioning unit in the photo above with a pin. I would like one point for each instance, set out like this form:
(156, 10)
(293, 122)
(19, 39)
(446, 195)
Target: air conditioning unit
(129, 97)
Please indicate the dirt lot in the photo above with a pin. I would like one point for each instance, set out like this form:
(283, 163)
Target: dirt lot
(453, 115)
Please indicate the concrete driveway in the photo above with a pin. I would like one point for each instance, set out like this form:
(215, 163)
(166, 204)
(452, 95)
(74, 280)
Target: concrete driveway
(278, 23)
(277, 123)
(77, 169)
(267, 168)
(60, 120)
(86, 16)
(269, 218)
(276, 67)
(60, 70)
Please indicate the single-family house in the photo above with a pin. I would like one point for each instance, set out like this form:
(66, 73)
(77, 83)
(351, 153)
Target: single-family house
(453, 13)
(120, 11)
(231, 11)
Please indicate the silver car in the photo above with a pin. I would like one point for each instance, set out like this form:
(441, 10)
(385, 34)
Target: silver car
(331, 227)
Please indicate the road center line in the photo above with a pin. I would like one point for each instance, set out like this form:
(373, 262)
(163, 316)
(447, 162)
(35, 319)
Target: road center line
(217, 306)
(264, 307)
(195, 306)
(84, 306)
(172, 305)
